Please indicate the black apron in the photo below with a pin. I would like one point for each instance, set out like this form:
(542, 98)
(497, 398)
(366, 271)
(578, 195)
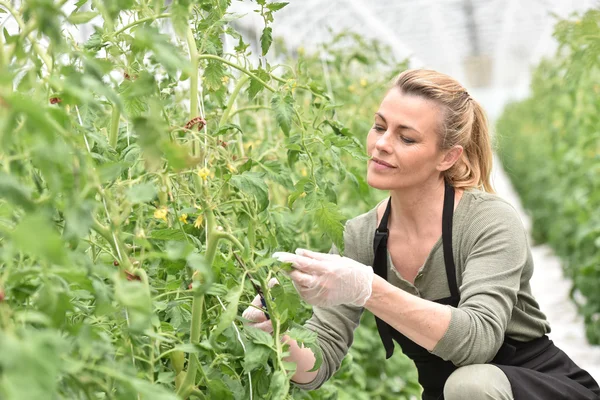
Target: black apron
(537, 370)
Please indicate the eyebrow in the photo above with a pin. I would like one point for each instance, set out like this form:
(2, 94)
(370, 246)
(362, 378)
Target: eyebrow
(400, 127)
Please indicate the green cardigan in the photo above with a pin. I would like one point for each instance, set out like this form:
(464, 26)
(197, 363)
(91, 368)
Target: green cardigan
(494, 266)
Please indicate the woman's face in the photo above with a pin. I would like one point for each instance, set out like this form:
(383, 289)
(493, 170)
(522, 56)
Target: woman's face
(403, 142)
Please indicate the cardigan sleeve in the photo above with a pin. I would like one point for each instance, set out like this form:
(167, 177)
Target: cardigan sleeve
(497, 252)
(334, 325)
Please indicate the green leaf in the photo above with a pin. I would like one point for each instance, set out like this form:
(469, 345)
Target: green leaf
(178, 250)
(135, 297)
(280, 385)
(79, 219)
(187, 348)
(302, 334)
(168, 234)
(266, 39)
(255, 356)
(15, 192)
(255, 86)
(142, 193)
(318, 356)
(51, 248)
(225, 128)
(258, 336)
(253, 184)
(228, 316)
(283, 107)
(276, 6)
(110, 171)
(31, 363)
(329, 219)
(149, 391)
(213, 73)
(218, 390)
(179, 16)
(164, 51)
(82, 17)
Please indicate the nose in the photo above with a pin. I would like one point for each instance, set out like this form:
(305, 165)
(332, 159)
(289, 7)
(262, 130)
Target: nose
(384, 143)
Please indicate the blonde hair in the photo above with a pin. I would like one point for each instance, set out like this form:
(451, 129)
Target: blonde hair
(464, 123)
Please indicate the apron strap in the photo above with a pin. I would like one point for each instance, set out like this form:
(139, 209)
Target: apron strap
(380, 263)
(447, 216)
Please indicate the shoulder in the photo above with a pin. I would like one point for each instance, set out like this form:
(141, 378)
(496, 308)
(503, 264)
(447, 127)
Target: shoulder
(488, 206)
(364, 225)
(487, 213)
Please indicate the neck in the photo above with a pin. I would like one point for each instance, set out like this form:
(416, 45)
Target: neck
(419, 210)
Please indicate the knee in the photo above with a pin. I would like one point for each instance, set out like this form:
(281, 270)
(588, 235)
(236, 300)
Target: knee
(478, 381)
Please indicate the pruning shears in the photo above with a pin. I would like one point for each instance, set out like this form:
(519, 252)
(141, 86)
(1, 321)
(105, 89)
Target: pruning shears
(256, 287)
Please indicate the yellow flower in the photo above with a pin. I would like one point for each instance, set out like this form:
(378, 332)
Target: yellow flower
(231, 168)
(204, 173)
(363, 82)
(302, 195)
(183, 218)
(225, 79)
(161, 213)
(199, 221)
(352, 88)
(303, 172)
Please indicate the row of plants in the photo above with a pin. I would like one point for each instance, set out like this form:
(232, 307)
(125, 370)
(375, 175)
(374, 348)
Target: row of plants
(137, 166)
(550, 146)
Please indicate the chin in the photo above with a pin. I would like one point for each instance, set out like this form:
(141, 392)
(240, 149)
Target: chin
(381, 182)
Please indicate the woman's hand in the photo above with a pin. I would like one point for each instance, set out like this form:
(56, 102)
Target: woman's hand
(256, 315)
(327, 280)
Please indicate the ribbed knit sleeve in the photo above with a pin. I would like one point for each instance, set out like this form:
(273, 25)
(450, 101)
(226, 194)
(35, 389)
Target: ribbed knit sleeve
(495, 243)
(334, 325)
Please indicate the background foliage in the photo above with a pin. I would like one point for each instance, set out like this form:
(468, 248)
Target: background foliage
(550, 146)
(128, 181)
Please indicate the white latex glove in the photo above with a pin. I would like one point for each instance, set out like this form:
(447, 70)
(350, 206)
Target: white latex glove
(256, 314)
(327, 280)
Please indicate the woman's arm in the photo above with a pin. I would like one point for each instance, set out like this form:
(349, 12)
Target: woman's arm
(497, 253)
(422, 321)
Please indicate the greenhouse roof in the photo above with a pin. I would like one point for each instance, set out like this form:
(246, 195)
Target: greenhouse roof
(489, 45)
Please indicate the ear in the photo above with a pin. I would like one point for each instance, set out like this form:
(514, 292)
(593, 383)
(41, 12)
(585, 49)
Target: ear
(449, 158)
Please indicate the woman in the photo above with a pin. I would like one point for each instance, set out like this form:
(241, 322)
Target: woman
(450, 262)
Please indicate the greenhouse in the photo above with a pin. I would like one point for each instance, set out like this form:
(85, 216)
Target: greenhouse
(309, 199)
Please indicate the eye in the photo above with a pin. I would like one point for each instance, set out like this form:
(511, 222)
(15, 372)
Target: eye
(407, 140)
(378, 128)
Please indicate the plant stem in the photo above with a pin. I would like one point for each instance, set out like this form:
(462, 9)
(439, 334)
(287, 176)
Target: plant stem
(191, 42)
(2, 55)
(113, 137)
(198, 394)
(229, 107)
(239, 68)
(108, 236)
(239, 110)
(189, 381)
(231, 238)
(231, 100)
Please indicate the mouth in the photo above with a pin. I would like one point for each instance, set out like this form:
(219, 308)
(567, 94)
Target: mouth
(381, 162)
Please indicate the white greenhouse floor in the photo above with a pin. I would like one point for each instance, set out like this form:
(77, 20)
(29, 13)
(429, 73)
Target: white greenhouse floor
(551, 289)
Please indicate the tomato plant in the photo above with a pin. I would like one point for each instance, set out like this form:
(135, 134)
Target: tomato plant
(135, 166)
(550, 144)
